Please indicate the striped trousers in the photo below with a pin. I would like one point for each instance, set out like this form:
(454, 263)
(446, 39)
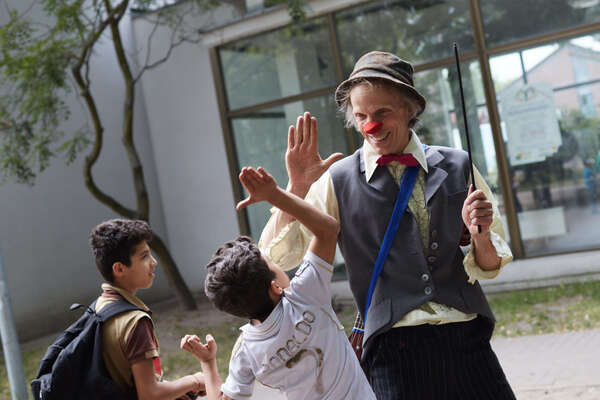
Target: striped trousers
(442, 362)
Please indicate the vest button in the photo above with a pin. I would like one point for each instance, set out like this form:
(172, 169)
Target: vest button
(428, 290)
(434, 246)
(425, 277)
(431, 259)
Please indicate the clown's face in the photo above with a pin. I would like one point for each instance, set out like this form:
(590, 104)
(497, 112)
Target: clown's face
(382, 116)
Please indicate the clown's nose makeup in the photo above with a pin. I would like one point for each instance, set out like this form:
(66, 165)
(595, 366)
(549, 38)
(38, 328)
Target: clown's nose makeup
(371, 128)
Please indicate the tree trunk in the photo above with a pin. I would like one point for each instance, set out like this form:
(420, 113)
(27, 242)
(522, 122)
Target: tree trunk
(184, 296)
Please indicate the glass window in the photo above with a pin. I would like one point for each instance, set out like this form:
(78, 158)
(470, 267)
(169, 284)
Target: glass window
(418, 31)
(442, 122)
(261, 140)
(555, 161)
(509, 20)
(277, 64)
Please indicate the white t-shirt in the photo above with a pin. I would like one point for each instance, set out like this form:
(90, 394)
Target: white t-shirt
(301, 348)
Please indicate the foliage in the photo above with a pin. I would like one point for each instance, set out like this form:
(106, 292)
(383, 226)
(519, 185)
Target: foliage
(295, 8)
(38, 60)
(586, 131)
(34, 72)
(416, 31)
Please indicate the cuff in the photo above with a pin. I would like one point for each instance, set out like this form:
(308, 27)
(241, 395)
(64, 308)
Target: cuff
(475, 272)
(287, 248)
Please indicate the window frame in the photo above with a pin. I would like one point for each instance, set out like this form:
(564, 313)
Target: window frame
(482, 54)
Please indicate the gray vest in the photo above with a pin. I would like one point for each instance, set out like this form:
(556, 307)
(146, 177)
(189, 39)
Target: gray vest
(411, 275)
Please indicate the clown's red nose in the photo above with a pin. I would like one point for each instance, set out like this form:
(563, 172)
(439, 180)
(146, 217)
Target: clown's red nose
(372, 127)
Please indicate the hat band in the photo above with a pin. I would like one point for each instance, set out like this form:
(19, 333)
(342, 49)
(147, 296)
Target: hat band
(388, 71)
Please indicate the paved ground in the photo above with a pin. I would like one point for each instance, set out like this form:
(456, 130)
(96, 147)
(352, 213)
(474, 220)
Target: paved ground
(563, 366)
(551, 367)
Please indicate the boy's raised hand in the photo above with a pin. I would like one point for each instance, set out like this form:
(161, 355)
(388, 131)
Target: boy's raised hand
(259, 184)
(203, 352)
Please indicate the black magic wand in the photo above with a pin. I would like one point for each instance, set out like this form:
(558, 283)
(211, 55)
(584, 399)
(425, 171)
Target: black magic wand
(464, 110)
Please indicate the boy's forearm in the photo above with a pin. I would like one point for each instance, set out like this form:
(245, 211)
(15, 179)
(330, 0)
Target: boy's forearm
(212, 380)
(280, 219)
(148, 388)
(319, 223)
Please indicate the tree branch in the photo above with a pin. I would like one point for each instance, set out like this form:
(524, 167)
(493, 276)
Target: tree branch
(90, 160)
(155, 64)
(149, 47)
(143, 204)
(96, 34)
(6, 7)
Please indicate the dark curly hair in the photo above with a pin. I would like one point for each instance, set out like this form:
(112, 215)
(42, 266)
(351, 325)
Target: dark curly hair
(115, 241)
(238, 280)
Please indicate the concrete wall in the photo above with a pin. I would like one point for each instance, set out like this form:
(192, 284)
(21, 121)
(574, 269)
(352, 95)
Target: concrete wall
(193, 173)
(45, 228)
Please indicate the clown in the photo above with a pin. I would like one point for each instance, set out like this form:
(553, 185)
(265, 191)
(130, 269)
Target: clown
(428, 325)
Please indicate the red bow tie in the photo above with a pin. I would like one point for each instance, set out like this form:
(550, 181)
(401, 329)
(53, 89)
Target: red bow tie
(406, 159)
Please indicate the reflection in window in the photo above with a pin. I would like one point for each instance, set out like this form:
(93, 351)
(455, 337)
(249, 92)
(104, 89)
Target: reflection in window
(442, 122)
(261, 140)
(509, 20)
(282, 63)
(417, 31)
(554, 187)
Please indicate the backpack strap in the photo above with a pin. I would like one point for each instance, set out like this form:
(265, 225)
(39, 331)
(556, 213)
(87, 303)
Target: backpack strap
(117, 307)
(114, 308)
(110, 310)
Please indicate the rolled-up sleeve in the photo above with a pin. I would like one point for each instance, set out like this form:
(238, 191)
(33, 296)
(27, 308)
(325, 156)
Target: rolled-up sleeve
(497, 236)
(288, 247)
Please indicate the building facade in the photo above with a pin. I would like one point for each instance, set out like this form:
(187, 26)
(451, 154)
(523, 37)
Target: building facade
(547, 198)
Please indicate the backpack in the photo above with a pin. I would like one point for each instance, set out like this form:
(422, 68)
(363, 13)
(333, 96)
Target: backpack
(73, 367)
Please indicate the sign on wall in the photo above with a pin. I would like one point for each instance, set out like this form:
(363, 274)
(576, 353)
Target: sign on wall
(532, 129)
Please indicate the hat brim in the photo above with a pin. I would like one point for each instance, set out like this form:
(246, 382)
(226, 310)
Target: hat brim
(371, 73)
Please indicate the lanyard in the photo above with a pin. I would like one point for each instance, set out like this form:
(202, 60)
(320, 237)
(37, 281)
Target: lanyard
(406, 187)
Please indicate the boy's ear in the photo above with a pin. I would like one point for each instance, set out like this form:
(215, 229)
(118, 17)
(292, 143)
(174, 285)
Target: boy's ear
(118, 268)
(275, 291)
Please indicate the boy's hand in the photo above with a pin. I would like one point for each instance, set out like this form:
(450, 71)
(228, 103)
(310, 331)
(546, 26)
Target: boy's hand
(203, 352)
(259, 184)
(302, 159)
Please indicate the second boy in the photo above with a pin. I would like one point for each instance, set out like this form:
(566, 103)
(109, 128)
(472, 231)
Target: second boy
(294, 341)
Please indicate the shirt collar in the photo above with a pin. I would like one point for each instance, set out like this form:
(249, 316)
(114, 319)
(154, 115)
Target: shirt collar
(126, 295)
(413, 147)
(268, 327)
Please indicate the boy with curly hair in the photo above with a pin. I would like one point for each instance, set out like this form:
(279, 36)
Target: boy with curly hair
(294, 341)
(129, 346)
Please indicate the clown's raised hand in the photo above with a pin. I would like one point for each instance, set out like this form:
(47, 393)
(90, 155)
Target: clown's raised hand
(302, 159)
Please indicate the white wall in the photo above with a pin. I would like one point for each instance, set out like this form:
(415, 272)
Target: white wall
(187, 135)
(45, 228)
